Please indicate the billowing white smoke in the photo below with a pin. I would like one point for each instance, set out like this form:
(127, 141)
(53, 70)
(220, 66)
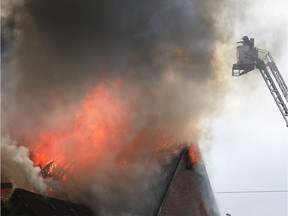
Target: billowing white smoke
(18, 167)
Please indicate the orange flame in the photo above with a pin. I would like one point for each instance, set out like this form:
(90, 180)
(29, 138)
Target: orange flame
(93, 131)
(194, 154)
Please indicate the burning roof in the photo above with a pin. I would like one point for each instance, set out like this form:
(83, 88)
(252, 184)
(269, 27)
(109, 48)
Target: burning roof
(189, 192)
(186, 191)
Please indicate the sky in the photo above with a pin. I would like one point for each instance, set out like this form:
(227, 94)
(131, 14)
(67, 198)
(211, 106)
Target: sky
(249, 137)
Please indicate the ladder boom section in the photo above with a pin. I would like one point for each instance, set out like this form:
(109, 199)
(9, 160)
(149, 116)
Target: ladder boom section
(250, 58)
(274, 92)
(279, 79)
(268, 59)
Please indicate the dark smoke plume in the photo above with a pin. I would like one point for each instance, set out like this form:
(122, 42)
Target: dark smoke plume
(163, 51)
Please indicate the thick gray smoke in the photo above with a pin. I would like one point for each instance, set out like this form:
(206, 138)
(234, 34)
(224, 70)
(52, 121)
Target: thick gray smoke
(162, 51)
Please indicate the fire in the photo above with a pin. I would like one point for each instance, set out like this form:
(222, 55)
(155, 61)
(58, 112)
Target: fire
(95, 128)
(194, 154)
(56, 171)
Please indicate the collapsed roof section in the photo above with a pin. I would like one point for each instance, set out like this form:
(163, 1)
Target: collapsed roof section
(26, 203)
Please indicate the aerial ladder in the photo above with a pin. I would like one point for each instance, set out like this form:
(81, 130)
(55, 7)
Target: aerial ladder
(250, 58)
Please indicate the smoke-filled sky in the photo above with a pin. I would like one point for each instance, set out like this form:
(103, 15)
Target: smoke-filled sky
(54, 48)
(249, 150)
(156, 72)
